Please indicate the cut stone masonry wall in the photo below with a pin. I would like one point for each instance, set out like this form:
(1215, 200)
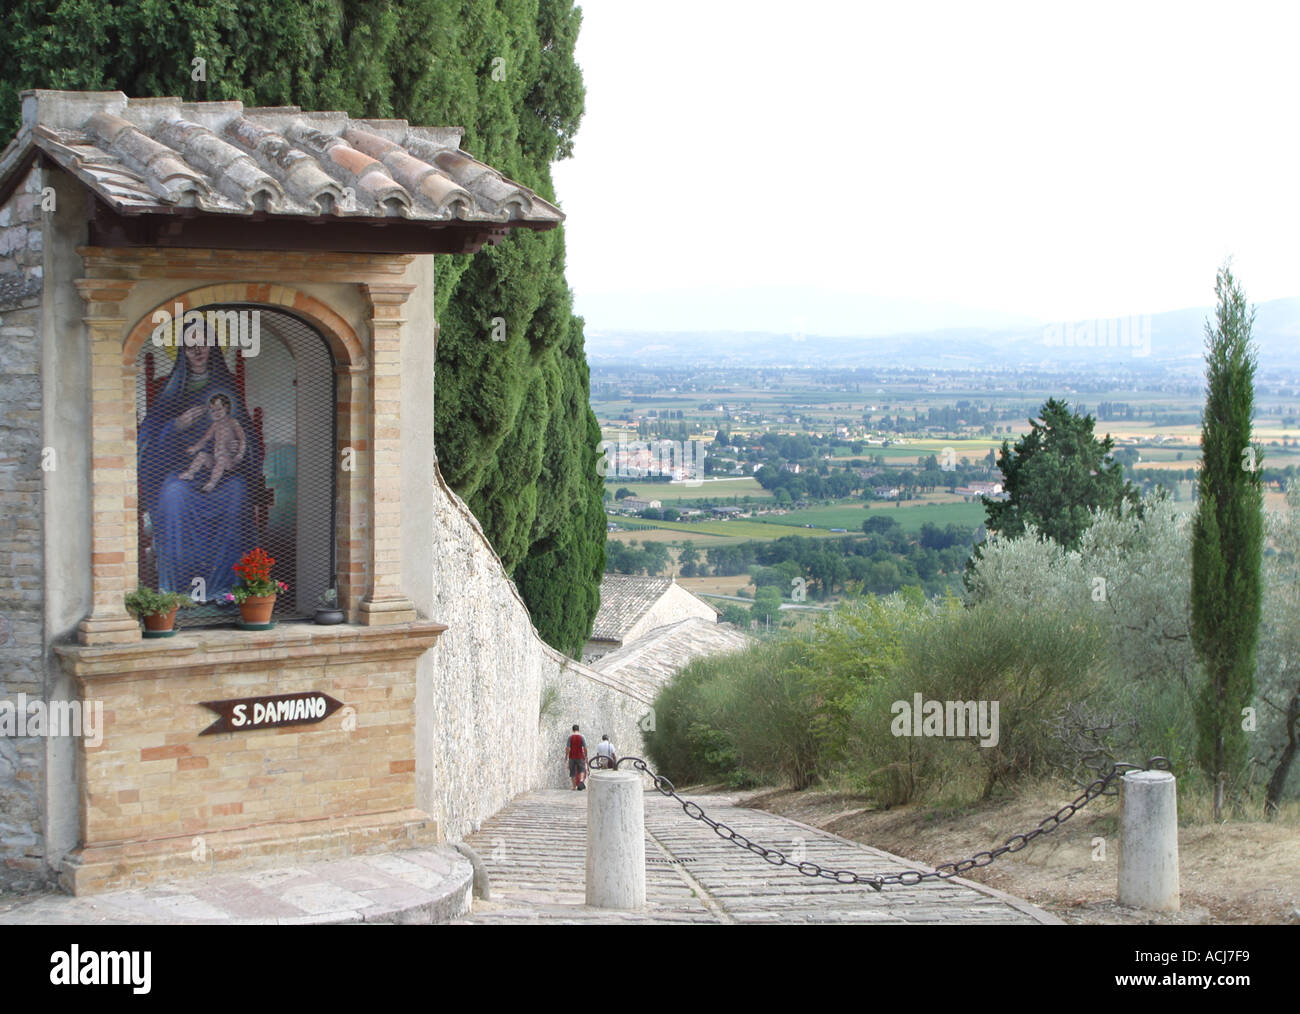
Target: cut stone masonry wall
(22, 760)
(503, 700)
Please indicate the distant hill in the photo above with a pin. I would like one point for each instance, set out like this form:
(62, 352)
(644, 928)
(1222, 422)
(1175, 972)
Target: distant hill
(1163, 340)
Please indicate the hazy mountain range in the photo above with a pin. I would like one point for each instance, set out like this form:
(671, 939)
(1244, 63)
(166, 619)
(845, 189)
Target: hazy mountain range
(1158, 341)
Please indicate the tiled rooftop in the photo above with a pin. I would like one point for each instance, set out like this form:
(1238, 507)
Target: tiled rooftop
(650, 662)
(624, 600)
(161, 155)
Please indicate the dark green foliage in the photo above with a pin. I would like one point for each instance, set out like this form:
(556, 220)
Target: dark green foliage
(734, 717)
(1227, 539)
(516, 438)
(1055, 476)
(732, 613)
(685, 741)
(767, 606)
(625, 558)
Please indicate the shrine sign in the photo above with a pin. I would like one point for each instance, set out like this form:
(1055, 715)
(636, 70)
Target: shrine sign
(248, 714)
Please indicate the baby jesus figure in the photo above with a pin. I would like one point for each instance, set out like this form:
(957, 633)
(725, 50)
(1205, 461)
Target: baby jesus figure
(228, 444)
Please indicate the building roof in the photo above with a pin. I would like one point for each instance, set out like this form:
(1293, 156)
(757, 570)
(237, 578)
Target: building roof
(162, 156)
(624, 599)
(650, 662)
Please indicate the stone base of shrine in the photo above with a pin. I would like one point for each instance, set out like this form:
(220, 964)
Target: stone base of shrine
(221, 750)
(141, 863)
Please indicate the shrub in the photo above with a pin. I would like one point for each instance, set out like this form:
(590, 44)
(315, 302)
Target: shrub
(777, 711)
(1027, 661)
(1130, 577)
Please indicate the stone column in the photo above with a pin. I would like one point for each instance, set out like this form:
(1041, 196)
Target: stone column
(615, 840)
(385, 602)
(352, 500)
(113, 533)
(1148, 841)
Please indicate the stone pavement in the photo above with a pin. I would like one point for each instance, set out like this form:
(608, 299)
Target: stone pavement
(413, 886)
(534, 852)
(535, 855)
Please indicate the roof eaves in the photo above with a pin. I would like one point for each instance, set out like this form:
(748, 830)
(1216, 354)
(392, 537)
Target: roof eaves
(15, 161)
(163, 156)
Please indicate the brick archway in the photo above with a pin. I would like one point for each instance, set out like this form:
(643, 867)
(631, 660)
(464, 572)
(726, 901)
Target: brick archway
(353, 496)
(368, 401)
(338, 334)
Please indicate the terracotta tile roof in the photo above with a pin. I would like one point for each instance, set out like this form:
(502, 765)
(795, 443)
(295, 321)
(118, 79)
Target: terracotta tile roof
(151, 156)
(649, 663)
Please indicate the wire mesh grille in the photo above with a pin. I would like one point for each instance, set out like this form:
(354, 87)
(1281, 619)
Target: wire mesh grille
(235, 450)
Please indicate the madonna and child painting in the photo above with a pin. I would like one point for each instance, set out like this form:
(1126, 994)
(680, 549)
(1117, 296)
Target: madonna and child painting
(199, 458)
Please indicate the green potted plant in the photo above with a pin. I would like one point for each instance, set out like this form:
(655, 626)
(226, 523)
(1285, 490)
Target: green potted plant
(255, 594)
(327, 608)
(157, 609)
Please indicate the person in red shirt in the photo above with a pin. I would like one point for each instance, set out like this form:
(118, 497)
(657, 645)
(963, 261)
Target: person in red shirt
(576, 751)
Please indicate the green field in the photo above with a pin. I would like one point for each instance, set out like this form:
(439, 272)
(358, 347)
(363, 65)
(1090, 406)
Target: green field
(745, 529)
(709, 489)
(911, 517)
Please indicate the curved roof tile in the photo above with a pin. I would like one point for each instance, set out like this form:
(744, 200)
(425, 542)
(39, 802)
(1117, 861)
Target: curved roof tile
(154, 155)
(235, 173)
(294, 168)
(416, 176)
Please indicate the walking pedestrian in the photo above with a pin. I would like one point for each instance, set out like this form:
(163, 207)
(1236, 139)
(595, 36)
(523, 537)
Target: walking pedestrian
(606, 749)
(576, 752)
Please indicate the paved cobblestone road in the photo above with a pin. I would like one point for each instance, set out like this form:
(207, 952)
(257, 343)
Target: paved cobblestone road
(535, 854)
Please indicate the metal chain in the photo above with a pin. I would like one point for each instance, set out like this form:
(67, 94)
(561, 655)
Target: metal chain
(908, 878)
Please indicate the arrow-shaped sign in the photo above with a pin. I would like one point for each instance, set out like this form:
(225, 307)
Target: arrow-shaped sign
(248, 714)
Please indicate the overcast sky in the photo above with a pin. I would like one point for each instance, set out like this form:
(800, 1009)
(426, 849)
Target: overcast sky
(858, 167)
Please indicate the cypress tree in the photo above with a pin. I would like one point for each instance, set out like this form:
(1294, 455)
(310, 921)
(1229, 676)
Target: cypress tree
(516, 437)
(1227, 541)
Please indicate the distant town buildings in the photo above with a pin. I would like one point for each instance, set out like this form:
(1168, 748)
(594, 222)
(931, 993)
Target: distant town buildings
(679, 460)
(988, 489)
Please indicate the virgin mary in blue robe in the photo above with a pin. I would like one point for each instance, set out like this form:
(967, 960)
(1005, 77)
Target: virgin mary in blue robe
(196, 534)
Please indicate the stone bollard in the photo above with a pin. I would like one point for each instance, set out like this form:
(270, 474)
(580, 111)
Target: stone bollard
(1148, 841)
(615, 840)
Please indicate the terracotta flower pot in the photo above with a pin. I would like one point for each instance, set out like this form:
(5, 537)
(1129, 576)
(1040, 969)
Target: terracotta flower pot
(257, 608)
(160, 624)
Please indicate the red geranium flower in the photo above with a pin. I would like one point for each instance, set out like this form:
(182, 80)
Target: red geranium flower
(255, 565)
(254, 570)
